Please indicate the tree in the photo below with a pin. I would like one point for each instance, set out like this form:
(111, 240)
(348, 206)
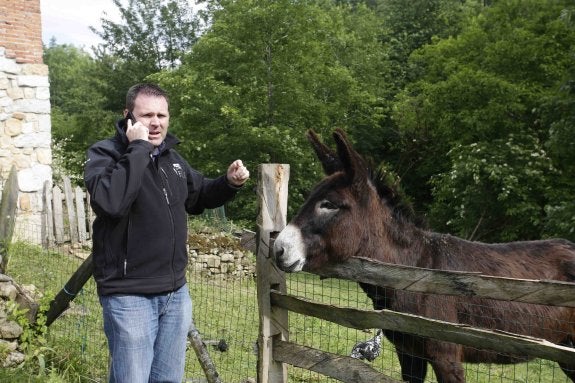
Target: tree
(559, 114)
(264, 73)
(484, 196)
(77, 116)
(406, 27)
(153, 35)
(71, 86)
(482, 90)
(411, 25)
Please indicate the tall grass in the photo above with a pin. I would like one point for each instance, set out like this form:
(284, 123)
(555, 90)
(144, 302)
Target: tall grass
(224, 309)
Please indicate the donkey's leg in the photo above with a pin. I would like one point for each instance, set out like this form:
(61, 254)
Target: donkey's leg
(445, 358)
(568, 369)
(409, 351)
(413, 368)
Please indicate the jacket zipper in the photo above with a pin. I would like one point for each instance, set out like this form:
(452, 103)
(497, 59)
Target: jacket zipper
(166, 195)
(125, 271)
(165, 184)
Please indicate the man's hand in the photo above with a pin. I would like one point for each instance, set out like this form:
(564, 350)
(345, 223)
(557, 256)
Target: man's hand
(237, 174)
(138, 131)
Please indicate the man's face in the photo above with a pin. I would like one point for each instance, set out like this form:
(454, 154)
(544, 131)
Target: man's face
(153, 113)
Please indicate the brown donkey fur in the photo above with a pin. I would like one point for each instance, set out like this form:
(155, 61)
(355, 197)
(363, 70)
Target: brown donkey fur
(350, 213)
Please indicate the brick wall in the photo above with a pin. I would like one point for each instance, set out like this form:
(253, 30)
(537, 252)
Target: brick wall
(21, 30)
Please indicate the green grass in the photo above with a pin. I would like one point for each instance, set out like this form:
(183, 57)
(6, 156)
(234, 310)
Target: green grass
(223, 309)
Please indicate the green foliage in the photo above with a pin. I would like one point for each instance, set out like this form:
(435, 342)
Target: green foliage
(88, 93)
(72, 134)
(409, 81)
(68, 358)
(152, 35)
(414, 24)
(77, 117)
(479, 91)
(72, 84)
(559, 114)
(483, 196)
(33, 341)
(264, 73)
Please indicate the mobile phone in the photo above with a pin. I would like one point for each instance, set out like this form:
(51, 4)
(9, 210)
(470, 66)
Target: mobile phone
(131, 117)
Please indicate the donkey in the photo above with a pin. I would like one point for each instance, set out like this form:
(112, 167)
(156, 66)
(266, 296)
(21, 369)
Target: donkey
(354, 213)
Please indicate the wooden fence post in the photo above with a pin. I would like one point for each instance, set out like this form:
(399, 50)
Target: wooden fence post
(8, 208)
(70, 290)
(272, 199)
(58, 212)
(48, 222)
(69, 197)
(81, 214)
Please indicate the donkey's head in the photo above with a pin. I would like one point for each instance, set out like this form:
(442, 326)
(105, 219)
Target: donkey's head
(341, 218)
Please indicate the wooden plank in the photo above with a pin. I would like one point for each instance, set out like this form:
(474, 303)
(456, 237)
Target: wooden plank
(343, 368)
(273, 322)
(545, 292)
(8, 207)
(79, 219)
(272, 196)
(203, 356)
(69, 197)
(58, 214)
(451, 332)
(48, 231)
(81, 214)
(91, 215)
(70, 290)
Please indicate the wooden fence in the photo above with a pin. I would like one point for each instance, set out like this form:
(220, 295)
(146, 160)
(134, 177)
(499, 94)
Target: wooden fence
(68, 216)
(275, 351)
(8, 207)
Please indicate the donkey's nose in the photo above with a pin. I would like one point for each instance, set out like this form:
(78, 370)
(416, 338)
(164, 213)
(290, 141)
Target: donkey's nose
(279, 251)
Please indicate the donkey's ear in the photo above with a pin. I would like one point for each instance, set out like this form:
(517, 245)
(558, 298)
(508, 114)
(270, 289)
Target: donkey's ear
(352, 163)
(328, 158)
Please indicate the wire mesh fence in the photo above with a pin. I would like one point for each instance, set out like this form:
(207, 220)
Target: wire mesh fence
(340, 340)
(226, 315)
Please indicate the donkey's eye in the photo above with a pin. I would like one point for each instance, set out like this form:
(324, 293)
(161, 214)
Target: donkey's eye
(328, 205)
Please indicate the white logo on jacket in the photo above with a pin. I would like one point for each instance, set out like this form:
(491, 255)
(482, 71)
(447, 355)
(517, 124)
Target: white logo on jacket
(178, 170)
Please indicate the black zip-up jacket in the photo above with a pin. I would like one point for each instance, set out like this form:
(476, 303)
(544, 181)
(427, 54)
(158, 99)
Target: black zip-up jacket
(141, 205)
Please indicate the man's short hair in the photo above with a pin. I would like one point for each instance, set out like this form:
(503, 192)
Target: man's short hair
(145, 89)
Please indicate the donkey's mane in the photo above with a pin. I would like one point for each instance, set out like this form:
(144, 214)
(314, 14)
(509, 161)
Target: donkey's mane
(388, 188)
(384, 180)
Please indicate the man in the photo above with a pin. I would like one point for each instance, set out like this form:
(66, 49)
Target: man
(141, 190)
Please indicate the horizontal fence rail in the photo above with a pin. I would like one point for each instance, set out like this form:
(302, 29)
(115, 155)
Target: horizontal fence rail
(469, 284)
(340, 367)
(431, 328)
(274, 304)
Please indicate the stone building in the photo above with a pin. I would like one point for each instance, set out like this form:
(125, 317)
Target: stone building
(25, 136)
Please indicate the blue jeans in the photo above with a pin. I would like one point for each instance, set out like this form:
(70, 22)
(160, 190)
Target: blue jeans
(147, 336)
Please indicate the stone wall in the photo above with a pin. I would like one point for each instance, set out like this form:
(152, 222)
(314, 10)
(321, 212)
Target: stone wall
(10, 331)
(24, 111)
(220, 255)
(223, 263)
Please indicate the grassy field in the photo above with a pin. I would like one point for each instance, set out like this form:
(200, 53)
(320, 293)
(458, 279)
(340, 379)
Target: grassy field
(223, 310)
